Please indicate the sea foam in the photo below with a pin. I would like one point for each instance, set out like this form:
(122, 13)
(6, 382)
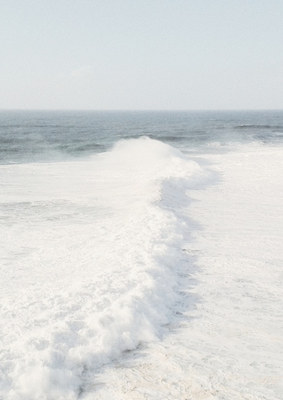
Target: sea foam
(91, 262)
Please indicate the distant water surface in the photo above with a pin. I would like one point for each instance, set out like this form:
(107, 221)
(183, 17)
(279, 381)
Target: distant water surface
(27, 136)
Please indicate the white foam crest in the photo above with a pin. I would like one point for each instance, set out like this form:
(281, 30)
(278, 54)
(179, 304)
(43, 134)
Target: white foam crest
(90, 263)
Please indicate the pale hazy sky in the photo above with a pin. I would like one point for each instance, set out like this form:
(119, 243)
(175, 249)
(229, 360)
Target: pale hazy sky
(141, 54)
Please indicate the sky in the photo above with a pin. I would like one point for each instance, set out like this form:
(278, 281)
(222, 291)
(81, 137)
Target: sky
(141, 54)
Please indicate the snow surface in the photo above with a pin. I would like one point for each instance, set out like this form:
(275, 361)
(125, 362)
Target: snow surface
(140, 274)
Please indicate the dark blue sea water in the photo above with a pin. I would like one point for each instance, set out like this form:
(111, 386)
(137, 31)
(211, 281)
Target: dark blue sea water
(27, 136)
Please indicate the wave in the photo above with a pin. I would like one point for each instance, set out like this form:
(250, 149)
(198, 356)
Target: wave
(258, 126)
(97, 269)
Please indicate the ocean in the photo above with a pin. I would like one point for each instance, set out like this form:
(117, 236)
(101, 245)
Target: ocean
(141, 255)
(36, 136)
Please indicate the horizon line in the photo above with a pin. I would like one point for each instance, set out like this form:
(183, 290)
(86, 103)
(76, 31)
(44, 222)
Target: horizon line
(142, 109)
